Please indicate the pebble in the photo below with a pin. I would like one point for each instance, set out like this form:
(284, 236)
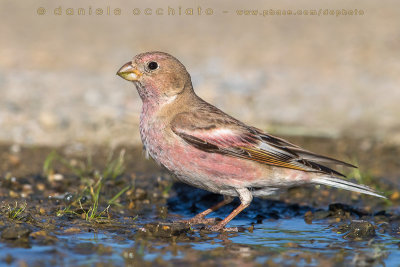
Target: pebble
(15, 232)
(40, 186)
(13, 194)
(140, 194)
(359, 230)
(166, 229)
(395, 196)
(55, 177)
(308, 217)
(72, 230)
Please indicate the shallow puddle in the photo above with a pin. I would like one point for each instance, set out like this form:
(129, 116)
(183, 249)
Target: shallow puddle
(284, 242)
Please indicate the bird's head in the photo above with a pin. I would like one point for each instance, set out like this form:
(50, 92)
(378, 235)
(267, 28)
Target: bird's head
(158, 76)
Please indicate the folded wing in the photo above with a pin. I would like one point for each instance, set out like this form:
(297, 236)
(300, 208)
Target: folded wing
(223, 134)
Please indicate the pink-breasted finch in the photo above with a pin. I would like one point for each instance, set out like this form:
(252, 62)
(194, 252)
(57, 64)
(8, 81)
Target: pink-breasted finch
(206, 148)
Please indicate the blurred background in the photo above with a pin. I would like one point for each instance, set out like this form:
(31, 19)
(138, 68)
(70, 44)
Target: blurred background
(332, 75)
(76, 190)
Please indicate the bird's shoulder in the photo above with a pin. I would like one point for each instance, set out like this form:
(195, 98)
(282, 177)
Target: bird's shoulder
(204, 116)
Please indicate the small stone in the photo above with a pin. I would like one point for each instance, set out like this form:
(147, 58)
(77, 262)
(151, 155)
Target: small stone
(27, 188)
(38, 233)
(68, 198)
(166, 229)
(15, 232)
(13, 194)
(395, 196)
(140, 194)
(72, 230)
(308, 217)
(360, 230)
(40, 186)
(55, 177)
(251, 229)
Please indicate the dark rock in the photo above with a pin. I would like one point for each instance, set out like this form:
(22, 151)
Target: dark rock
(381, 213)
(166, 229)
(274, 215)
(15, 232)
(359, 230)
(321, 214)
(344, 211)
(259, 218)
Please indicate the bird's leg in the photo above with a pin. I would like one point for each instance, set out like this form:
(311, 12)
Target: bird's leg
(245, 197)
(199, 218)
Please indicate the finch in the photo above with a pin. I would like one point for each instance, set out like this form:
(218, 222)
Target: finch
(206, 148)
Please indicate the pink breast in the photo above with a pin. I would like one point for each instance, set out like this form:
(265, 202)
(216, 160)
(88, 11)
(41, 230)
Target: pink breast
(185, 159)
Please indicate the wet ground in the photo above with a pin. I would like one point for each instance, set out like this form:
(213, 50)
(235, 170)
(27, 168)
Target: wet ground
(81, 206)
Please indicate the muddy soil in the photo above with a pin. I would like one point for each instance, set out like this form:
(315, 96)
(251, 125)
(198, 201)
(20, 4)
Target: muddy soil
(85, 206)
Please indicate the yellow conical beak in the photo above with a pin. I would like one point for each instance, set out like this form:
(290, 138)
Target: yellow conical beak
(129, 73)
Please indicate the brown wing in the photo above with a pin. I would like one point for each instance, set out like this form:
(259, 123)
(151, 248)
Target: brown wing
(213, 131)
(305, 154)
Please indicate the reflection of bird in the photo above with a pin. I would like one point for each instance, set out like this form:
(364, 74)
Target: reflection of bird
(209, 149)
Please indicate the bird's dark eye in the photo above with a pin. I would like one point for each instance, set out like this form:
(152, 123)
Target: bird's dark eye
(152, 65)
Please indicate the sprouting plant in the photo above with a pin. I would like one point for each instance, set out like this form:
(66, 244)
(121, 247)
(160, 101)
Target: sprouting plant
(15, 212)
(92, 215)
(93, 180)
(66, 210)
